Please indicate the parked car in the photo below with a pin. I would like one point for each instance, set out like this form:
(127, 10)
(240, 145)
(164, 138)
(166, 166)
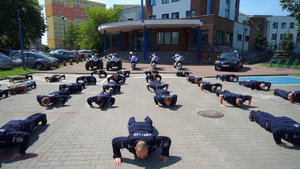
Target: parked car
(35, 60)
(112, 60)
(5, 62)
(64, 56)
(86, 53)
(94, 61)
(229, 61)
(52, 52)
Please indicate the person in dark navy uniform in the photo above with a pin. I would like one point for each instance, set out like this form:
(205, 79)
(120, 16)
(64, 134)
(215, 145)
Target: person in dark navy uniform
(182, 73)
(151, 72)
(228, 77)
(292, 96)
(73, 87)
(88, 80)
(153, 77)
(125, 73)
(113, 86)
(17, 132)
(255, 84)
(4, 93)
(194, 79)
(53, 98)
(141, 141)
(155, 85)
(233, 98)
(164, 98)
(54, 78)
(103, 99)
(281, 127)
(119, 79)
(101, 73)
(212, 87)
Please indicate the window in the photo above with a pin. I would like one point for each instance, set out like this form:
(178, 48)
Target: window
(283, 25)
(165, 16)
(62, 7)
(54, 10)
(239, 37)
(260, 25)
(218, 38)
(152, 2)
(203, 36)
(58, 6)
(54, 6)
(167, 38)
(175, 0)
(247, 39)
(227, 7)
(190, 13)
(165, 1)
(274, 36)
(228, 39)
(58, 2)
(292, 25)
(62, 2)
(175, 15)
(281, 36)
(115, 41)
(58, 11)
(81, 14)
(152, 17)
(55, 23)
(275, 25)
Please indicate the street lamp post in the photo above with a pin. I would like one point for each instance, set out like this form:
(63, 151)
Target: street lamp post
(21, 40)
(64, 20)
(245, 31)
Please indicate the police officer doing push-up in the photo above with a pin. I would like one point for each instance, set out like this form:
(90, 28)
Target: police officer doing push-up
(125, 73)
(182, 73)
(73, 87)
(113, 87)
(164, 98)
(17, 132)
(281, 127)
(155, 85)
(141, 141)
(101, 73)
(3, 92)
(151, 72)
(119, 79)
(233, 98)
(212, 87)
(255, 84)
(88, 80)
(53, 98)
(22, 78)
(292, 96)
(228, 77)
(194, 79)
(102, 100)
(153, 77)
(54, 78)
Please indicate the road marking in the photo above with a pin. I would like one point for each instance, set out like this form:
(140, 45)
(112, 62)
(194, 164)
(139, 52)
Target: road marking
(103, 81)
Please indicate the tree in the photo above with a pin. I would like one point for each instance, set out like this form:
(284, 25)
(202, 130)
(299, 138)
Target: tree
(89, 37)
(287, 43)
(32, 22)
(260, 41)
(293, 6)
(71, 36)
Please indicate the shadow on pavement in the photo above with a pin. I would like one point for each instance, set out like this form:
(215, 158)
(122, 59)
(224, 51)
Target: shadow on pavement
(34, 136)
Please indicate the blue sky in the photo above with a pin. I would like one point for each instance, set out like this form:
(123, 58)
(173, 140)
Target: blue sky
(248, 7)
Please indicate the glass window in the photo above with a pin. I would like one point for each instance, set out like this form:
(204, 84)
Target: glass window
(228, 39)
(165, 16)
(227, 7)
(275, 25)
(281, 36)
(165, 1)
(62, 7)
(167, 38)
(58, 6)
(218, 38)
(204, 37)
(152, 17)
(58, 2)
(175, 0)
(175, 38)
(247, 39)
(54, 10)
(175, 15)
(54, 6)
(58, 11)
(115, 41)
(283, 25)
(260, 25)
(160, 38)
(239, 37)
(274, 36)
(292, 25)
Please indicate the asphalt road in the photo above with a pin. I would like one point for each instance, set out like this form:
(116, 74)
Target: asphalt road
(80, 137)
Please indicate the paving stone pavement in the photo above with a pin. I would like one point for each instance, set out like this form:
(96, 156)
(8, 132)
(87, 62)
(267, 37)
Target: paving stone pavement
(80, 137)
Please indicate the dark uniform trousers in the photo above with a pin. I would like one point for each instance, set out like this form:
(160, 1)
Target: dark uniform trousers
(284, 94)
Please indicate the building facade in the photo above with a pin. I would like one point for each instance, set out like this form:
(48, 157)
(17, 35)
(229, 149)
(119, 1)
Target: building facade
(241, 37)
(61, 12)
(131, 14)
(125, 6)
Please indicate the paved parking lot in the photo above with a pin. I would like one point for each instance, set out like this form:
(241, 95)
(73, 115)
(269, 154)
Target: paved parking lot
(80, 137)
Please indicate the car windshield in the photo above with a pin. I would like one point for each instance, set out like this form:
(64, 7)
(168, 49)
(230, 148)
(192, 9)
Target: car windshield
(228, 55)
(2, 56)
(69, 53)
(39, 55)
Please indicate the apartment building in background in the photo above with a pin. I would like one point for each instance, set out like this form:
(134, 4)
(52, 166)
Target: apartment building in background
(125, 6)
(72, 10)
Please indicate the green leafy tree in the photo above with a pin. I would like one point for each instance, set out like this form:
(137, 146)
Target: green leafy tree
(287, 43)
(32, 22)
(260, 41)
(293, 6)
(89, 37)
(71, 36)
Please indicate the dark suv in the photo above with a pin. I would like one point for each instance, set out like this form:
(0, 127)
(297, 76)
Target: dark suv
(64, 56)
(112, 60)
(35, 60)
(229, 61)
(94, 61)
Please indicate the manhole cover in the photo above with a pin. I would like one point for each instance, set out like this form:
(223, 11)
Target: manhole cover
(210, 114)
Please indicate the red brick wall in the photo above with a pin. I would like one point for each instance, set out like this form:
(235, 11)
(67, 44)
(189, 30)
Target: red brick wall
(148, 10)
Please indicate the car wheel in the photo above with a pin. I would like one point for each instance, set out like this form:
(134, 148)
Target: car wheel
(87, 66)
(71, 60)
(120, 66)
(39, 66)
(216, 68)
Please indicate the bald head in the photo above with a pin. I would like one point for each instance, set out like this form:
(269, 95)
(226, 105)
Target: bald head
(141, 149)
